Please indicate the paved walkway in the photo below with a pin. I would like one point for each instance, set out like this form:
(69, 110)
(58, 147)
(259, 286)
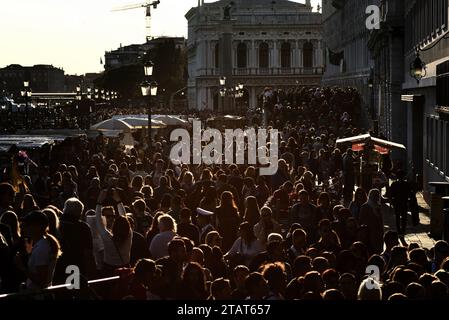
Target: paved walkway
(415, 234)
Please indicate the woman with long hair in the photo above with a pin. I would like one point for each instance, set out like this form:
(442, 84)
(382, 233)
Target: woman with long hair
(53, 221)
(188, 182)
(262, 191)
(154, 228)
(228, 219)
(43, 251)
(28, 204)
(10, 219)
(252, 214)
(117, 243)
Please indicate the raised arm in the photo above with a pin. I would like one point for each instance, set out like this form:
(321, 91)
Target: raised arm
(101, 198)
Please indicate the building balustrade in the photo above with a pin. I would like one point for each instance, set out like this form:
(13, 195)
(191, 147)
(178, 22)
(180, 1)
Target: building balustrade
(264, 71)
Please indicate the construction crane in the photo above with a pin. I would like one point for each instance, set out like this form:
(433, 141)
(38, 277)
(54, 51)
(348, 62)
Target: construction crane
(147, 5)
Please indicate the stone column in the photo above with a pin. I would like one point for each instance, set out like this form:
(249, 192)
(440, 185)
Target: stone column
(320, 54)
(253, 98)
(209, 99)
(295, 54)
(292, 54)
(207, 54)
(252, 60)
(275, 63)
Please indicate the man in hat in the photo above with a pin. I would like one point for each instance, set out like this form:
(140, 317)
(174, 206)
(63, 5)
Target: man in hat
(204, 222)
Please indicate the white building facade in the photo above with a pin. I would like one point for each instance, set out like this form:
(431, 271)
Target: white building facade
(274, 43)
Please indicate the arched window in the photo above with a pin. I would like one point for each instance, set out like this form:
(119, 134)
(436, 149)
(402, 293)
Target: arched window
(241, 55)
(308, 55)
(286, 55)
(217, 55)
(264, 55)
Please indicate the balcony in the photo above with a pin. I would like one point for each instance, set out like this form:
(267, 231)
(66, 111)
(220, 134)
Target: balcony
(207, 72)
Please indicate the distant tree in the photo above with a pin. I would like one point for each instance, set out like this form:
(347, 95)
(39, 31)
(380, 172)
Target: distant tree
(125, 80)
(170, 67)
(170, 72)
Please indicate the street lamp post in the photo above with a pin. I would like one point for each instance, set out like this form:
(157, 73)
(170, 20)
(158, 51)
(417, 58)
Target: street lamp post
(79, 92)
(223, 92)
(26, 93)
(149, 89)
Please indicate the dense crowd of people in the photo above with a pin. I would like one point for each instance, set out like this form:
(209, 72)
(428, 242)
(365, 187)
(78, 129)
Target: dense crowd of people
(221, 232)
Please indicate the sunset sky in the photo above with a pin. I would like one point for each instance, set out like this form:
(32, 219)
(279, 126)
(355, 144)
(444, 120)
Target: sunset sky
(74, 35)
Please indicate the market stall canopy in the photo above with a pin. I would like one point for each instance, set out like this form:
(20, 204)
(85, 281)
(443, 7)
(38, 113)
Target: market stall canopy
(380, 145)
(388, 144)
(353, 140)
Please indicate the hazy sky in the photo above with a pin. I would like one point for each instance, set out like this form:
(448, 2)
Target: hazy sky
(74, 34)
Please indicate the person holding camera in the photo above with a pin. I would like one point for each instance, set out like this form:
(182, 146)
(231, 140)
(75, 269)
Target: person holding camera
(117, 242)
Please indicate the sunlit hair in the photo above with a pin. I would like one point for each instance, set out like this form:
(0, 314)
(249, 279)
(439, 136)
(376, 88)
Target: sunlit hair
(166, 223)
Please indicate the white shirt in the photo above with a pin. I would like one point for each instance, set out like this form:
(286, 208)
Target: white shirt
(41, 255)
(159, 244)
(97, 241)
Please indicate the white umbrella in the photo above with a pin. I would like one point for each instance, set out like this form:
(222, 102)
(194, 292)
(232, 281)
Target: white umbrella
(137, 123)
(170, 120)
(112, 124)
(127, 124)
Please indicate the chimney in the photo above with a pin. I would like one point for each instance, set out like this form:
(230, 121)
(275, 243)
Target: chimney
(308, 3)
